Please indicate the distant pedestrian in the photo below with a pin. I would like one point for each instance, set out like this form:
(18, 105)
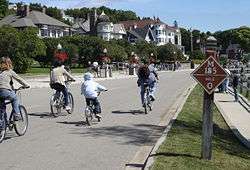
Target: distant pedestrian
(235, 85)
(95, 68)
(225, 83)
(227, 79)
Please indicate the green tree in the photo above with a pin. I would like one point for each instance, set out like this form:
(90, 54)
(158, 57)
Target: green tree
(144, 49)
(116, 52)
(54, 12)
(197, 54)
(169, 52)
(36, 6)
(3, 8)
(51, 46)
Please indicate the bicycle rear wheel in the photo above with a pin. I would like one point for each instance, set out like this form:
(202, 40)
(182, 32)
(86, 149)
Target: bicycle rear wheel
(2, 128)
(21, 126)
(54, 106)
(71, 103)
(89, 116)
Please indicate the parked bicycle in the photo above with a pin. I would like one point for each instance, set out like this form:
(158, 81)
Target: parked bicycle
(57, 102)
(89, 112)
(147, 99)
(19, 126)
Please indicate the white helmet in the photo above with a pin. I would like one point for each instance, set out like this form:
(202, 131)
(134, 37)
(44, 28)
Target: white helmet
(88, 76)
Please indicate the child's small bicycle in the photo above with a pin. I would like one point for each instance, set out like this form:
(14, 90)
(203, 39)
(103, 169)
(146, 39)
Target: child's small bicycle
(90, 112)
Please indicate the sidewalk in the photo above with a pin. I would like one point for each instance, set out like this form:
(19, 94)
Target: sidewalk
(236, 116)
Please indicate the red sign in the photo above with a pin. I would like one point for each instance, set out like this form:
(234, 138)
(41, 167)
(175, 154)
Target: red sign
(209, 74)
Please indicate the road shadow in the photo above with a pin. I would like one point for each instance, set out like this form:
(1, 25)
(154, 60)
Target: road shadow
(41, 114)
(135, 165)
(138, 134)
(133, 112)
(77, 123)
(226, 101)
(46, 115)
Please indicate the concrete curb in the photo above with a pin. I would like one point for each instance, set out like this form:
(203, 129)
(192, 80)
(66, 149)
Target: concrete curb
(177, 108)
(231, 126)
(142, 159)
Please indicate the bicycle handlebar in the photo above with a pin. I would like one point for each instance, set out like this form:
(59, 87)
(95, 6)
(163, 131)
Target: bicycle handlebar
(21, 88)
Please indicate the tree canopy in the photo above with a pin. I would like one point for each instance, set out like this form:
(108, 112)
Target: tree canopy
(3, 8)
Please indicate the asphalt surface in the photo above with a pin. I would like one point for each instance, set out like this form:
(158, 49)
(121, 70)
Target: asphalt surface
(67, 142)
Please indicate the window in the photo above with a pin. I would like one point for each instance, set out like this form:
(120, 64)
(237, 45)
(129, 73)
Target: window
(44, 32)
(53, 33)
(105, 27)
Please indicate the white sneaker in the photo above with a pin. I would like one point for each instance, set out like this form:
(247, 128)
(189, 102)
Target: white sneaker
(67, 108)
(98, 115)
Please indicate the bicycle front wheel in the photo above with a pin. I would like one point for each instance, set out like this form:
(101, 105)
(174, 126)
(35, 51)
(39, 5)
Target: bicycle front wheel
(2, 129)
(21, 126)
(71, 104)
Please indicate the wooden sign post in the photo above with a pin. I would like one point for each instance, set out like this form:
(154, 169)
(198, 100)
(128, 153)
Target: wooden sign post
(209, 75)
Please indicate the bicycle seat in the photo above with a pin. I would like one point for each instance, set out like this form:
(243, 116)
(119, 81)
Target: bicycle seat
(145, 84)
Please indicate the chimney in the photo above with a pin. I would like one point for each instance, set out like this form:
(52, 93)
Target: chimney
(27, 10)
(44, 10)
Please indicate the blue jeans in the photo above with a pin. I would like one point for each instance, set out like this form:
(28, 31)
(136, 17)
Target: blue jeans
(236, 94)
(96, 103)
(152, 89)
(9, 95)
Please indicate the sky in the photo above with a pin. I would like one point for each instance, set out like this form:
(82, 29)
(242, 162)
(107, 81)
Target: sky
(204, 15)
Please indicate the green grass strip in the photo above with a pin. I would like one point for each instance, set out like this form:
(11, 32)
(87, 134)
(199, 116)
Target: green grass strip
(182, 148)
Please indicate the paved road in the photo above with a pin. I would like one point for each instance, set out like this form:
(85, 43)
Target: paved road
(67, 143)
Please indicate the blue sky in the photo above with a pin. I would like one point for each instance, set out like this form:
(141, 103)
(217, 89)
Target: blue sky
(205, 15)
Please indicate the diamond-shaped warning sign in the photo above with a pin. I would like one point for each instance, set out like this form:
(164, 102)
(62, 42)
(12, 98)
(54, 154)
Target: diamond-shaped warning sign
(209, 74)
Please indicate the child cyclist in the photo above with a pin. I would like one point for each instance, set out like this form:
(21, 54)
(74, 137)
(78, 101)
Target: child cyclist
(90, 90)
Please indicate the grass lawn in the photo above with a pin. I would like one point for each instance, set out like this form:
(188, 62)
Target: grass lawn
(182, 149)
(45, 71)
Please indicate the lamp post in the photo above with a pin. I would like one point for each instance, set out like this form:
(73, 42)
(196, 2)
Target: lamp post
(59, 46)
(191, 40)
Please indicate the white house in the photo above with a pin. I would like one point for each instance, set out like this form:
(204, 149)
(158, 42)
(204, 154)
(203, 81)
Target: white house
(153, 30)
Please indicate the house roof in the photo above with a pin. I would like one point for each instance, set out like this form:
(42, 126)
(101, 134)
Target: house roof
(41, 18)
(119, 28)
(145, 22)
(103, 18)
(135, 34)
(34, 18)
(23, 22)
(83, 24)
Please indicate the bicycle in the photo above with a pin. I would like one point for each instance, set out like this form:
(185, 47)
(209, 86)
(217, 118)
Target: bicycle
(89, 112)
(147, 99)
(19, 126)
(57, 102)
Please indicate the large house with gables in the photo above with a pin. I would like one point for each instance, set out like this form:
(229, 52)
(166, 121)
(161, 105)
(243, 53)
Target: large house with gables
(153, 31)
(47, 26)
(100, 26)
